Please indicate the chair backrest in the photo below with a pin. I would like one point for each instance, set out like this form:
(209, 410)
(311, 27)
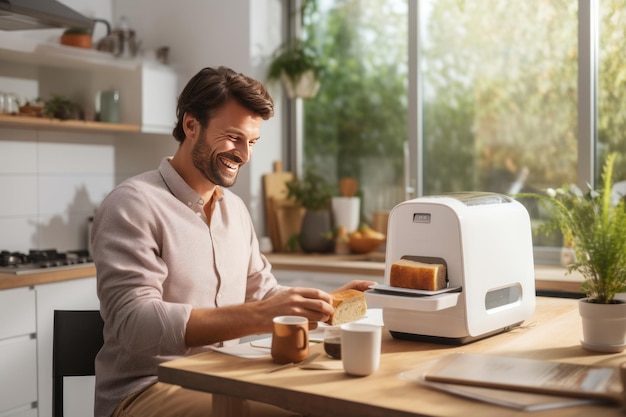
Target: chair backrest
(76, 341)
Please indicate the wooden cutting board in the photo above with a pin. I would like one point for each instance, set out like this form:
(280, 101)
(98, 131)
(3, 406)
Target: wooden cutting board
(275, 190)
(289, 216)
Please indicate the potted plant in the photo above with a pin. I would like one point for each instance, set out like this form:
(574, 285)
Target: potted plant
(32, 108)
(313, 193)
(61, 107)
(297, 65)
(595, 228)
(77, 37)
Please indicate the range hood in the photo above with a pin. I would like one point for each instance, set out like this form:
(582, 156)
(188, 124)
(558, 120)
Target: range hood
(40, 14)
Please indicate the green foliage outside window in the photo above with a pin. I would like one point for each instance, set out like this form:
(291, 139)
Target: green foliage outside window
(499, 90)
(360, 113)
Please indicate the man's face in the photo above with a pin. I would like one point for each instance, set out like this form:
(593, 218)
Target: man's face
(226, 144)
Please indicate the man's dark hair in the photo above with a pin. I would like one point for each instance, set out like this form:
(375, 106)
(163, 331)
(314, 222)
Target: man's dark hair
(211, 88)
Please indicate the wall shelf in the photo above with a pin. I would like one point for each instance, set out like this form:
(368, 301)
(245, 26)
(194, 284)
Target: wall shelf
(26, 122)
(148, 89)
(51, 54)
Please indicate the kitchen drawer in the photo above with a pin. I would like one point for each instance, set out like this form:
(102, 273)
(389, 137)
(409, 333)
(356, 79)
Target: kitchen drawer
(18, 304)
(18, 379)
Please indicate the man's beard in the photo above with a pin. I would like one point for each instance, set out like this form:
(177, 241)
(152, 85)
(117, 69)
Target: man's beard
(207, 163)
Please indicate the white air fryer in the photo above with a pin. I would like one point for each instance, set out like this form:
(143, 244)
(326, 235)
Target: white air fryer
(485, 241)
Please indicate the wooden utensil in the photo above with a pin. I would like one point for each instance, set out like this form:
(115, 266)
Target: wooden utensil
(348, 186)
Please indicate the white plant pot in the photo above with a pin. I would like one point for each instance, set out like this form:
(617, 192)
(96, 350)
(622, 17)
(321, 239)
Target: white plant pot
(346, 212)
(306, 87)
(604, 326)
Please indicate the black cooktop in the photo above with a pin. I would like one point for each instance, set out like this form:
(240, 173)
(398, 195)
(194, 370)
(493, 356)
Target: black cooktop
(37, 259)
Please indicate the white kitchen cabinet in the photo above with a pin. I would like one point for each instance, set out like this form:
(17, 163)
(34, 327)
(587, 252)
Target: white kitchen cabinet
(18, 353)
(77, 294)
(148, 89)
(159, 91)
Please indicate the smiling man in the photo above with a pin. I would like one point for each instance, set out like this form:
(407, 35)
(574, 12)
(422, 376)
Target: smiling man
(178, 261)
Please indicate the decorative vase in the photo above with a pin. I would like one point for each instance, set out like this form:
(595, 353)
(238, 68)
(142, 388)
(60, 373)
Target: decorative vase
(315, 231)
(604, 325)
(307, 85)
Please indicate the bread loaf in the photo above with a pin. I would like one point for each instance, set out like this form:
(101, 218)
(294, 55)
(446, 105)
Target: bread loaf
(405, 273)
(349, 305)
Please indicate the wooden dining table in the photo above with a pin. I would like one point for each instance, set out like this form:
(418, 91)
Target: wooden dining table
(553, 334)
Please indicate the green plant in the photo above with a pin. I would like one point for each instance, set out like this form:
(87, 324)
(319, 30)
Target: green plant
(595, 228)
(76, 31)
(294, 58)
(61, 107)
(312, 191)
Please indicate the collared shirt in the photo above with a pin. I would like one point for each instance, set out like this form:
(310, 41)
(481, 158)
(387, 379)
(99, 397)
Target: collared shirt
(157, 257)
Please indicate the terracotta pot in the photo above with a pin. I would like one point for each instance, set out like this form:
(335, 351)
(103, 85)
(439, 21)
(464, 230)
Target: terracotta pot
(604, 326)
(79, 40)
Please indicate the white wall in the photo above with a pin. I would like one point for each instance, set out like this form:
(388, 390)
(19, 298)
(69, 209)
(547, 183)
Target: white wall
(240, 34)
(51, 181)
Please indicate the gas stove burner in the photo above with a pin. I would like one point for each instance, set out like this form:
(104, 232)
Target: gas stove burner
(37, 259)
(12, 258)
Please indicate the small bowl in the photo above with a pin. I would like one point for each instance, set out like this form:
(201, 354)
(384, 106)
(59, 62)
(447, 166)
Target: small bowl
(364, 244)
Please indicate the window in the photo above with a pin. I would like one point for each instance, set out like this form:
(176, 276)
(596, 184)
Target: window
(507, 98)
(357, 124)
(611, 125)
(499, 94)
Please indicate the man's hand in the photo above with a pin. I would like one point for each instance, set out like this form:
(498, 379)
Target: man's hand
(360, 285)
(312, 303)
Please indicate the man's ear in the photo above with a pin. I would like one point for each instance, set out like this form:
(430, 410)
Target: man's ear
(191, 126)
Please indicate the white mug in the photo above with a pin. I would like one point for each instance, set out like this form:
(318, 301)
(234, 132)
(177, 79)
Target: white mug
(360, 348)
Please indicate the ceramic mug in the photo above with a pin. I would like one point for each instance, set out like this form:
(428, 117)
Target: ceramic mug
(109, 106)
(290, 339)
(360, 348)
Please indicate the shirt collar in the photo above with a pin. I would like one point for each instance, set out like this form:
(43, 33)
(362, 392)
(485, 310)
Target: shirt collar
(182, 190)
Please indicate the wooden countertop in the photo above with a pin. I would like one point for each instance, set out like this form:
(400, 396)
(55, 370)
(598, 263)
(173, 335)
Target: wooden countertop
(8, 281)
(552, 334)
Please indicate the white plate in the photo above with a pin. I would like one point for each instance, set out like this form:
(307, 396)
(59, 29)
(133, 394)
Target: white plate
(409, 291)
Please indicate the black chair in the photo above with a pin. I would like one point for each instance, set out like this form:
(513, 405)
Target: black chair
(76, 341)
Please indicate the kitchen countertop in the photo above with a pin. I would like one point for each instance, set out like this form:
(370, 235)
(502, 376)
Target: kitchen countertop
(8, 281)
(547, 278)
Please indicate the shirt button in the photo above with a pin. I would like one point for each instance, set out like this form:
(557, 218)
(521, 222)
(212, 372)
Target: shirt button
(201, 201)
(188, 203)
(219, 295)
